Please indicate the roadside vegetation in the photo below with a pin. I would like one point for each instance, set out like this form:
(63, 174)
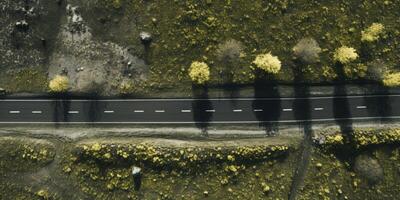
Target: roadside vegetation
(101, 168)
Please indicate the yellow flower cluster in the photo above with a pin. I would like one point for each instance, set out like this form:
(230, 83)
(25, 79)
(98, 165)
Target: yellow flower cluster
(334, 139)
(268, 63)
(372, 33)
(365, 137)
(182, 158)
(199, 72)
(345, 55)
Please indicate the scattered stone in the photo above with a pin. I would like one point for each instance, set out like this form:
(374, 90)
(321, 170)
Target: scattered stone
(205, 193)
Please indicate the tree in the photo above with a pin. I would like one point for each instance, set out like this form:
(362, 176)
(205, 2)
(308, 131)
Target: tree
(59, 84)
(199, 72)
(392, 80)
(268, 63)
(229, 55)
(307, 50)
(345, 55)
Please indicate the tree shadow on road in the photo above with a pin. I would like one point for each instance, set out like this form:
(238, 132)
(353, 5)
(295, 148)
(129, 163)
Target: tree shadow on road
(61, 105)
(93, 110)
(302, 112)
(341, 107)
(378, 107)
(267, 112)
(200, 105)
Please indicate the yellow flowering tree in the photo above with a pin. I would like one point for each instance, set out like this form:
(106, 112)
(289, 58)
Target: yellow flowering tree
(59, 84)
(392, 80)
(372, 33)
(268, 63)
(345, 55)
(199, 72)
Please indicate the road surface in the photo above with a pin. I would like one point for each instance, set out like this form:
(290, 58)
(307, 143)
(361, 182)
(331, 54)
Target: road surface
(188, 111)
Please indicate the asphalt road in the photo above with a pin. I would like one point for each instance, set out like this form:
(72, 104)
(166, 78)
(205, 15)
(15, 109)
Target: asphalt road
(183, 111)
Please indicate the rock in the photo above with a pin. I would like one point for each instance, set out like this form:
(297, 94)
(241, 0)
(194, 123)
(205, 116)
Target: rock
(145, 37)
(369, 168)
(22, 25)
(2, 91)
(136, 171)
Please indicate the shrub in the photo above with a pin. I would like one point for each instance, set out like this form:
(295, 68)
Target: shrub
(372, 33)
(307, 50)
(392, 80)
(59, 84)
(126, 88)
(355, 71)
(268, 63)
(329, 73)
(345, 55)
(199, 72)
(230, 51)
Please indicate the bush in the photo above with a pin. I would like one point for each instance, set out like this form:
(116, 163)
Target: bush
(307, 50)
(392, 80)
(355, 71)
(372, 33)
(126, 88)
(59, 84)
(268, 63)
(329, 73)
(376, 70)
(199, 72)
(345, 55)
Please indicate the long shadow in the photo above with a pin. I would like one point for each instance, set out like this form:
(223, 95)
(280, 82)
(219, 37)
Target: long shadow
(378, 107)
(341, 107)
(61, 105)
(200, 105)
(268, 111)
(94, 109)
(302, 112)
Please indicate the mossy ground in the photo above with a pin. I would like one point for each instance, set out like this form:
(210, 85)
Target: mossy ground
(186, 31)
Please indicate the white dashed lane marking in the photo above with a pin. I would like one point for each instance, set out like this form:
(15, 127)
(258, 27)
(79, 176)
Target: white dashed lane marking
(238, 110)
(210, 111)
(287, 110)
(186, 111)
(36, 112)
(160, 111)
(73, 112)
(14, 112)
(109, 111)
(258, 110)
(139, 111)
(361, 107)
(318, 109)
